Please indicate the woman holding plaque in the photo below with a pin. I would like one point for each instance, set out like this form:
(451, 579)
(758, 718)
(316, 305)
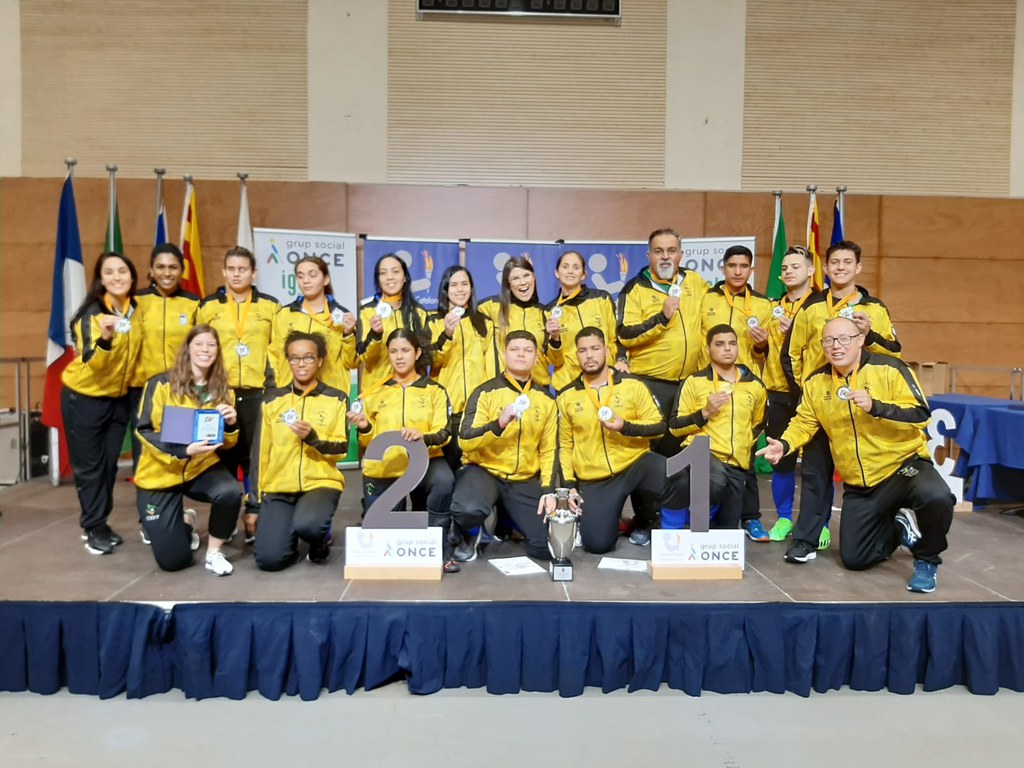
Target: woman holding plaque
(94, 399)
(192, 397)
(416, 406)
(303, 435)
(316, 311)
(243, 317)
(517, 308)
(577, 306)
(392, 306)
(464, 354)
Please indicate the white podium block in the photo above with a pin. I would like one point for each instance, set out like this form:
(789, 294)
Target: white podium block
(687, 555)
(393, 553)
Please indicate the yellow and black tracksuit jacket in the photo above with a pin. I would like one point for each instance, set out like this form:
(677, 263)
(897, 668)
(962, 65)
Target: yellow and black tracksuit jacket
(527, 445)
(284, 463)
(522, 316)
(734, 429)
(167, 465)
(867, 447)
(341, 348)
(715, 309)
(463, 361)
(166, 321)
(773, 376)
(102, 368)
(225, 314)
(423, 405)
(660, 348)
(372, 349)
(588, 306)
(802, 352)
(589, 451)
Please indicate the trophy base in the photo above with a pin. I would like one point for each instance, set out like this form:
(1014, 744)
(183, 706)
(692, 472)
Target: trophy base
(560, 570)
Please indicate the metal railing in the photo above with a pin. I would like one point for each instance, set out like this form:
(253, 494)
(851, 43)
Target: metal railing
(23, 409)
(1016, 376)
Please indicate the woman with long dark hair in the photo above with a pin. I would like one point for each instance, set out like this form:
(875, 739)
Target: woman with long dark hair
(316, 311)
(169, 471)
(517, 308)
(464, 352)
(413, 404)
(94, 400)
(392, 306)
(577, 306)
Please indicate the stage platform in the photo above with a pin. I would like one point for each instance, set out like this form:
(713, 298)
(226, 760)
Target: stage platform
(109, 624)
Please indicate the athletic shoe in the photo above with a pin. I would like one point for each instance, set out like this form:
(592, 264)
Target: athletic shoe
(910, 534)
(800, 552)
(452, 567)
(319, 551)
(783, 527)
(923, 579)
(98, 542)
(190, 520)
(115, 537)
(144, 537)
(466, 552)
(250, 535)
(755, 531)
(640, 536)
(824, 539)
(216, 562)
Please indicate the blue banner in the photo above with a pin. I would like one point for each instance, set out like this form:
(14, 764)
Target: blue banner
(486, 258)
(427, 260)
(610, 265)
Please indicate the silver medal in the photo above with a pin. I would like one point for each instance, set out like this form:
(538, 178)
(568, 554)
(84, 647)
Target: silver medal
(384, 310)
(675, 291)
(521, 403)
(605, 414)
(357, 406)
(844, 393)
(242, 349)
(338, 316)
(290, 417)
(778, 312)
(752, 322)
(726, 387)
(846, 312)
(458, 311)
(123, 325)
(557, 313)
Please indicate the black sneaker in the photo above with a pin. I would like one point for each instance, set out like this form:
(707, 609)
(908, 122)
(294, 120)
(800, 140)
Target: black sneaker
(319, 551)
(98, 542)
(640, 536)
(801, 552)
(451, 567)
(115, 538)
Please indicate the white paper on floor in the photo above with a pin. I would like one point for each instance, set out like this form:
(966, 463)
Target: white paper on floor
(622, 564)
(516, 566)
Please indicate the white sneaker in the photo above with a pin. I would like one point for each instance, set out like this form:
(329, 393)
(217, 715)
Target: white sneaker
(190, 520)
(144, 537)
(216, 562)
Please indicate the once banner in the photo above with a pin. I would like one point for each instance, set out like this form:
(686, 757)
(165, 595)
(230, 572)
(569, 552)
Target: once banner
(427, 260)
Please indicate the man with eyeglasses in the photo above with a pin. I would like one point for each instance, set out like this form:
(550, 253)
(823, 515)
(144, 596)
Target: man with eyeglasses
(873, 413)
(659, 323)
(802, 355)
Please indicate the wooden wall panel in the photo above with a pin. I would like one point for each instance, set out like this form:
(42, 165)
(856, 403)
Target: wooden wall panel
(604, 214)
(962, 228)
(941, 290)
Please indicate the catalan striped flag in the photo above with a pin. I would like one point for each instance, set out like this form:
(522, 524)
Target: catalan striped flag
(814, 241)
(192, 277)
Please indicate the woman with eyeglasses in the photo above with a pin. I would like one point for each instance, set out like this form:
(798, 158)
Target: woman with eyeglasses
(174, 466)
(416, 406)
(464, 353)
(303, 435)
(517, 308)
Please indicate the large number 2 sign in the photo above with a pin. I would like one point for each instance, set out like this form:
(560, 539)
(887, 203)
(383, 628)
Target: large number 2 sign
(381, 513)
(943, 418)
(696, 456)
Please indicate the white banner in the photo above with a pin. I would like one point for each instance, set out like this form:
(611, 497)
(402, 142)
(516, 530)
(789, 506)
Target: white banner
(277, 251)
(704, 255)
(393, 547)
(715, 548)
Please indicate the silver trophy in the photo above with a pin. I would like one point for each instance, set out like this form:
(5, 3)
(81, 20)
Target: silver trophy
(562, 513)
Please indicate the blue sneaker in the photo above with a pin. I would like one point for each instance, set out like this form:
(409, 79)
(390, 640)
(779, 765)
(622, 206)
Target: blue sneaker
(923, 579)
(910, 534)
(755, 531)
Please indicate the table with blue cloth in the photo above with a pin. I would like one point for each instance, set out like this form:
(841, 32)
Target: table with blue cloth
(990, 434)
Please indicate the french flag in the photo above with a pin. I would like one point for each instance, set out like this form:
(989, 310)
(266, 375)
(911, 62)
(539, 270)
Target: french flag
(68, 294)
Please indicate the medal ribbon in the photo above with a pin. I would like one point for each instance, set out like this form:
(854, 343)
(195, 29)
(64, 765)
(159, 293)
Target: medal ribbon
(305, 392)
(833, 309)
(563, 299)
(316, 315)
(794, 306)
(663, 285)
(242, 315)
(745, 310)
(124, 311)
(521, 389)
(851, 380)
(715, 378)
(592, 393)
(374, 388)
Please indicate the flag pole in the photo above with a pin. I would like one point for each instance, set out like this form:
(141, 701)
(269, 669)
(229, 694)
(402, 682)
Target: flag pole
(159, 189)
(112, 169)
(841, 193)
(778, 211)
(54, 434)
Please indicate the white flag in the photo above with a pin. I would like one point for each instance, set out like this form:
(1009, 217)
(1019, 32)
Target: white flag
(244, 238)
